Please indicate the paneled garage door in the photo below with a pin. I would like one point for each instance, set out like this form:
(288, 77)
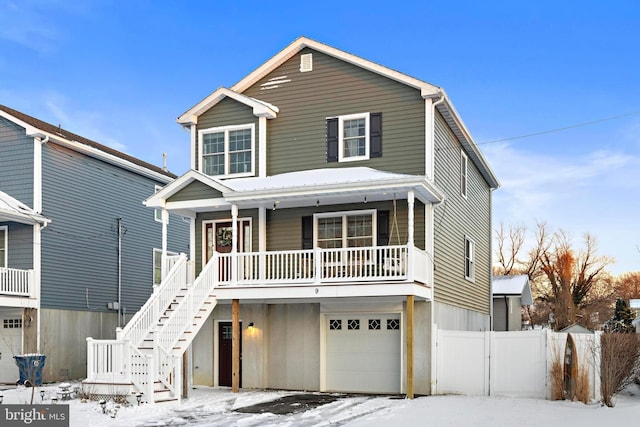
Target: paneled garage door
(10, 344)
(363, 353)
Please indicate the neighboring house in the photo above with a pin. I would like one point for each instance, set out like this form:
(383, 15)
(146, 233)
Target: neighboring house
(510, 293)
(576, 328)
(340, 211)
(77, 246)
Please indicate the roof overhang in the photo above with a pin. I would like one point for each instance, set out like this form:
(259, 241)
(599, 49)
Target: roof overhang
(14, 210)
(297, 189)
(260, 108)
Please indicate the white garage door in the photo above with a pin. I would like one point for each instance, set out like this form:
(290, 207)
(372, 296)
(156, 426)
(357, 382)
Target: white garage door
(10, 344)
(363, 353)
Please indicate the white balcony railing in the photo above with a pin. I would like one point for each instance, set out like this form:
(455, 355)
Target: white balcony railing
(16, 282)
(323, 266)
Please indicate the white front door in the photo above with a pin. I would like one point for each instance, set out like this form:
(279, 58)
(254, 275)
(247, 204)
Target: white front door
(363, 353)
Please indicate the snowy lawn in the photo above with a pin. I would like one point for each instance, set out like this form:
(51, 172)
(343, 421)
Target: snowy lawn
(215, 407)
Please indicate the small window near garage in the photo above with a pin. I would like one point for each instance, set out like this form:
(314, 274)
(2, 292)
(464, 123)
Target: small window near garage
(393, 324)
(374, 324)
(353, 324)
(335, 324)
(12, 323)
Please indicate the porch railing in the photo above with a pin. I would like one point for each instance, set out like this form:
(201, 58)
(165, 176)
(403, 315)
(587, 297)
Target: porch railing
(323, 265)
(16, 282)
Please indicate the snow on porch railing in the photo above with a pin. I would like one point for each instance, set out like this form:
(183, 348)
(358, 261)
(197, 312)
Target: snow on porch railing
(16, 282)
(147, 317)
(318, 265)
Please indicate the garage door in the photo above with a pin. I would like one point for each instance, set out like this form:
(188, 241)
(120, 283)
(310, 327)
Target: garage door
(363, 353)
(10, 344)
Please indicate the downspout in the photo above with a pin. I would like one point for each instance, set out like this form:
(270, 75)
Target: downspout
(119, 272)
(37, 206)
(432, 248)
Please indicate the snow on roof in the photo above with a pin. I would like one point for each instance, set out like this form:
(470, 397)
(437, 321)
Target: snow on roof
(513, 285)
(14, 210)
(313, 178)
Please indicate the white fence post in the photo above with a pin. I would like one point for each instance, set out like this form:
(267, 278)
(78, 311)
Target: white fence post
(151, 376)
(90, 359)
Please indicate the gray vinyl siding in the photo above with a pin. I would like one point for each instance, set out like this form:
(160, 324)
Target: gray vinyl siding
(228, 112)
(16, 162)
(297, 137)
(195, 191)
(456, 218)
(84, 197)
(20, 245)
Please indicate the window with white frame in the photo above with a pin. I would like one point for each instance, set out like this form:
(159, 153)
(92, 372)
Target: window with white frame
(3, 246)
(157, 265)
(464, 163)
(353, 142)
(469, 258)
(345, 230)
(157, 213)
(228, 150)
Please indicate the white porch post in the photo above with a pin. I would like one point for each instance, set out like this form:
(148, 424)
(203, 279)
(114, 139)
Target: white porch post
(234, 244)
(410, 232)
(262, 241)
(163, 264)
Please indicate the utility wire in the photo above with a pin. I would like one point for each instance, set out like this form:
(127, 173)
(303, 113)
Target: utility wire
(561, 129)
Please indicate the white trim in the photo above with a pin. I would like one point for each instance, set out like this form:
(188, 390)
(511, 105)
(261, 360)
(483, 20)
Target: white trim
(37, 175)
(226, 130)
(248, 246)
(153, 274)
(300, 43)
(471, 257)
(192, 239)
(464, 174)
(6, 245)
(429, 136)
(344, 215)
(157, 213)
(341, 120)
(262, 147)
(193, 141)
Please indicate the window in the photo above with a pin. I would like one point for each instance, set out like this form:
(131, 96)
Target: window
(227, 150)
(12, 323)
(464, 161)
(3, 246)
(469, 259)
(157, 265)
(354, 137)
(347, 230)
(157, 213)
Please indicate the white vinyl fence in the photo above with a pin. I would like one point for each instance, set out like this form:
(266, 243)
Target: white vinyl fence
(508, 363)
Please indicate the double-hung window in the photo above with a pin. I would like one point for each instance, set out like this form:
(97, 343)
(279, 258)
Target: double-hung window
(228, 150)
(3, 246)
(469, 258)
(157, 265)
(353, 143)
(346, 230)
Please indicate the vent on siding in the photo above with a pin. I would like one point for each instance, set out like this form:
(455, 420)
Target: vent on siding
(306, 62)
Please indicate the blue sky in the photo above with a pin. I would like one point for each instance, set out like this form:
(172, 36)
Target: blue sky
(120, 72)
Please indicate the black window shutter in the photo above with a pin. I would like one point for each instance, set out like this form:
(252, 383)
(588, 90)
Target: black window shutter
(307, 232)
(375, 135)
(383, 228)
(332, 140)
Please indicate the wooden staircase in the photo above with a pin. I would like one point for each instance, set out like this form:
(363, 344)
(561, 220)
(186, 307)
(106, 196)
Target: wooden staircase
(146, 356)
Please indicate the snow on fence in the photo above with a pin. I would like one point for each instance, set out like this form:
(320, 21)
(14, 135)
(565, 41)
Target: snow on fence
(508, 363)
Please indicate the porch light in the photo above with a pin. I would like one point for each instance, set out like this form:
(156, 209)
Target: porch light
(250, 325)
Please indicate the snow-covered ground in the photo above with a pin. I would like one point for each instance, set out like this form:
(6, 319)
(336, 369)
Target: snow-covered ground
(215, 407)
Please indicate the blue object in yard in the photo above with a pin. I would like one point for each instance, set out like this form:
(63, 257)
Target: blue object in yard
(30, 367)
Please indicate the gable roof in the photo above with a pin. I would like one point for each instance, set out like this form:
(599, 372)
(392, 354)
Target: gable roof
(92, 148)
(260, 108)
(517, 285)
(12, 209)
(427, 90)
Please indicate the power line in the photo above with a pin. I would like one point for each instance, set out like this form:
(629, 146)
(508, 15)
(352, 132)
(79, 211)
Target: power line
(561, 129)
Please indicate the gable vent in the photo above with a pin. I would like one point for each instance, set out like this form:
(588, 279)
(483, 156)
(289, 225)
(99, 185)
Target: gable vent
(306, 62)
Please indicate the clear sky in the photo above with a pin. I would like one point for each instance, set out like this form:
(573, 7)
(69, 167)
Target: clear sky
(120, 72)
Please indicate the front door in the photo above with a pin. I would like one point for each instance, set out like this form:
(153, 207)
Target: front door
(218, 237)
(225, 360)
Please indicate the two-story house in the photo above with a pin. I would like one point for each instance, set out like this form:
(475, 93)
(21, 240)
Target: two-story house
(340, 210)
(79, 252)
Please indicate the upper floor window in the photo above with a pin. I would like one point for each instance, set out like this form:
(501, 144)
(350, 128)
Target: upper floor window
(464, 163)
(3, 246)
(157, 213)
(228, 150)
(345, 229)
(157, 265)
(469, 258)
(354, 137)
